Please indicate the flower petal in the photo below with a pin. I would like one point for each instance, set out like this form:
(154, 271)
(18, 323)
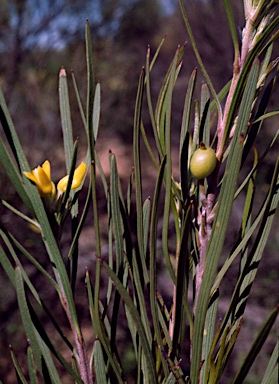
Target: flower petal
(62, 184)
(79, 175)
(41, 177)
(77, 178)
(46, 168)
(43, 181)
(30, 176)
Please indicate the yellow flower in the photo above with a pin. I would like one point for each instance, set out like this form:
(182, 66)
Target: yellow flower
(77, 179)
(41, 177)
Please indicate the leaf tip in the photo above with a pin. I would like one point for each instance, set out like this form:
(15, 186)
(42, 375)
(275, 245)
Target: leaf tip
(62, 72)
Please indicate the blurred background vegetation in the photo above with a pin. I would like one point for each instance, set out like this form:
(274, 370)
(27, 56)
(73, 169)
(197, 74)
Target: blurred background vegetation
(37, 38)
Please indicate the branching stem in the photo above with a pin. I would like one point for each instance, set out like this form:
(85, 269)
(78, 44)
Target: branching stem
(82, 358)
(209, 199)
(247, 35)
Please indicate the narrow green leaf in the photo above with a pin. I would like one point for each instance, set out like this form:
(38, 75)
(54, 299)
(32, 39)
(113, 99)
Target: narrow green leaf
(20, 375)
(66, 121)
(256, 347)
(81, 111)
(153, 156)
(53, 251)
(49, 346)
(227, 342)
(176, 374)
(268, 34)
(145, 220)
(20, 214)
(51, 369)
(168, 168)
(102, 173)
(10, 271)
(135, 314)
(184, 155)
(139, 366)
(110, 246)
(162, 103)
(260, 115)
(221, 96)
(181, 294)
(40, 350)
(68, 192)
(133, 331)
(244, 283)
(232, 29)
(141, 297)
(171, 379)
(271, 373)
(239, 247)
(95, 122)
(257, 50)
(137, 173)
(266, 151)
(100, 332)
(80, 224)
(99, 363)
(153, 277)
(157, 53)
(216, 365)
(116, 215)
(14, 176)
(250, 269)
(31, 366)
(8, 239)
(7, 266)
(61, 276)
(195, 139)
(247, 210)
(204, 128)
(90, 91)
(222, 218)
(11, 134)
(186, 118)
(144, 368)
(150, 106)
(184, 168)
(199, 59)
(164, 319)
(209, 332)
(273, 378)
(267, 63)
(98, 326)
(106, 320)
(96, 110)
(266, 116)
(26, 318)
(75, 364)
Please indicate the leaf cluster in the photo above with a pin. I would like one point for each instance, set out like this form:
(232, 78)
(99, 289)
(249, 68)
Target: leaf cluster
(189, 218)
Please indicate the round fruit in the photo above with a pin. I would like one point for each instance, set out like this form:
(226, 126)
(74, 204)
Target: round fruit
(203, 162)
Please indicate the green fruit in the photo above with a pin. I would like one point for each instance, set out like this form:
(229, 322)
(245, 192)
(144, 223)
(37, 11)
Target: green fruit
(203, 162)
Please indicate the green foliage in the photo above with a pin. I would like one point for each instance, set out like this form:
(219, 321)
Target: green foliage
(189, 217)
